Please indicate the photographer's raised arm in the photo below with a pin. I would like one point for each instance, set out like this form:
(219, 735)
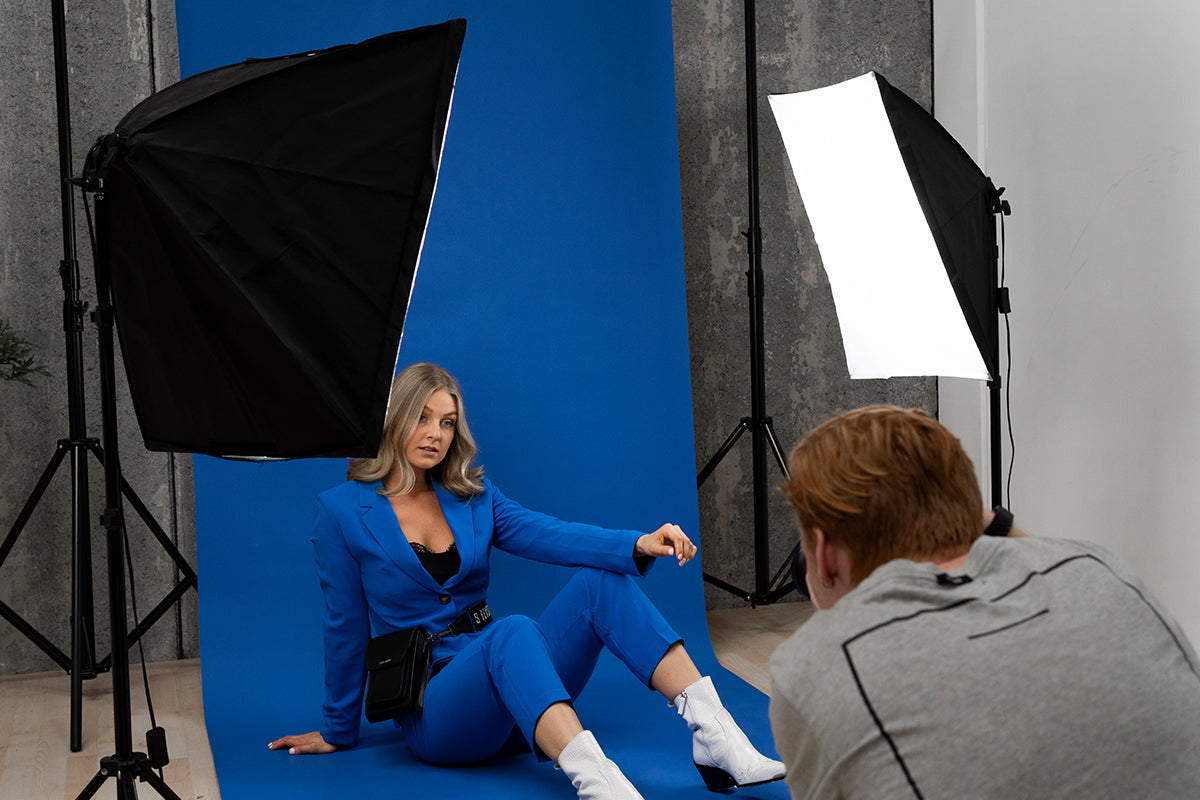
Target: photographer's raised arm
(1004, 521)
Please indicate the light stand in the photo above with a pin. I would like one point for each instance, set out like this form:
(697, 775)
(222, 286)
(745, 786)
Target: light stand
(766, 590)
(327, 239)
(124, 765)
(82, 663)
(999, 209)
(915, 270)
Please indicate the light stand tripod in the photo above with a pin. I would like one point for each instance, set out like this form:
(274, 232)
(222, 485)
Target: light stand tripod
(999, 209)
(82, 663)
(124, 765)
(926, 299)
(766, 590)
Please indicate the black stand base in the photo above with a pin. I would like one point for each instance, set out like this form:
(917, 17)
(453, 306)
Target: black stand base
(125, 772)
(31, 633)
(82, 664)
(126, 766)
(759, 424)
(775, 594)
(765, 593)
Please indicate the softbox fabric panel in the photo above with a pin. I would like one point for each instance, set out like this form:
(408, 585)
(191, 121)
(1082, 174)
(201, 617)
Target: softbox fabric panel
(900, 214)
(957, 199)
(264, 224)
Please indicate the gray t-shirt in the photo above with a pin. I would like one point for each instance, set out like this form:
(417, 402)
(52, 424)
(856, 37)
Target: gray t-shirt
(1041, 668)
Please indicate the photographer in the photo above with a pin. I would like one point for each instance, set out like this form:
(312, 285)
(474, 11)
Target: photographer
(946, 663)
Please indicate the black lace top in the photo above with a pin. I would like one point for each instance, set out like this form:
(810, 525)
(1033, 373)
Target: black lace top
(442, 566)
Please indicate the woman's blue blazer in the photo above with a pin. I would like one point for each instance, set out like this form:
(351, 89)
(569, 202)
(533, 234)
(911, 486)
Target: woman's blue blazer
(373, 582)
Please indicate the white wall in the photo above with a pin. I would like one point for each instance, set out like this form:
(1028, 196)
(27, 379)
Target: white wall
(1089, 112)
(957, 73)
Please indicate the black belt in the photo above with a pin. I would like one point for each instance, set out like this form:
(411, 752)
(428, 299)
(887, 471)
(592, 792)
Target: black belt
(473, 620)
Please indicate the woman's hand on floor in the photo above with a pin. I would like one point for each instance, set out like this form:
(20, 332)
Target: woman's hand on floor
(312, 742)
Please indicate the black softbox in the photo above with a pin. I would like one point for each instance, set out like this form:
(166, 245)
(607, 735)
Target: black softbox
(905, 222)
(263, 223)
(959, 205)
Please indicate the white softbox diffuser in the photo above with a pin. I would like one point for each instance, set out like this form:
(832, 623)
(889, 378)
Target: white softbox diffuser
(899, 290)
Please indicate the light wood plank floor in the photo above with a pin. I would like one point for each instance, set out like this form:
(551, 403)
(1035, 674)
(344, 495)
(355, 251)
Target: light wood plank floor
(36, 762)
(744, 638)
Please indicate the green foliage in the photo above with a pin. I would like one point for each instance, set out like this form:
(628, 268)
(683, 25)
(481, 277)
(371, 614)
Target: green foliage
(17, 360)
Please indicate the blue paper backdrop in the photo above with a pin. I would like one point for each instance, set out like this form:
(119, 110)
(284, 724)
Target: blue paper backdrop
(551, 284)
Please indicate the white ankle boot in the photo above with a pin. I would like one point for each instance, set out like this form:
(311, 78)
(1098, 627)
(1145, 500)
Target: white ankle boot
(723, 754)
(593, 775)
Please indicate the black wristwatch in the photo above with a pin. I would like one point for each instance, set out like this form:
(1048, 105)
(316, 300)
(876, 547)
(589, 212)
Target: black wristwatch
(1001, 524)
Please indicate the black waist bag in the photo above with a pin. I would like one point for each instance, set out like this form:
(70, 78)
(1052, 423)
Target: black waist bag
(397, 671)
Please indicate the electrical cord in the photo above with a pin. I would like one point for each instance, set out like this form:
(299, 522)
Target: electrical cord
(1012, 441)
(141, 650)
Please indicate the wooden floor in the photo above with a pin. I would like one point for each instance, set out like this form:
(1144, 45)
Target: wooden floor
(36, 762)
(744, 638)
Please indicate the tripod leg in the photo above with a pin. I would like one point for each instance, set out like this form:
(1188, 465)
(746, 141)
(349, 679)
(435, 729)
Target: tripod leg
(31, 633)
(81, 664)
(777, 450)
(781, 586)
(126, 787)
(777, 590)
(34, 498)
(189, 575)
(730, 441)
(730, 588)
(94, 785)
(147, 517)
(127, 773)
(159, 786)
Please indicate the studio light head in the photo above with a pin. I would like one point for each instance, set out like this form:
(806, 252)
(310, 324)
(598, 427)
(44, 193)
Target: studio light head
(904, 220)
(263, 223)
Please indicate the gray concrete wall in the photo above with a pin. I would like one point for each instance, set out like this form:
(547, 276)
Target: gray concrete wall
(118, 54)
(802, 44)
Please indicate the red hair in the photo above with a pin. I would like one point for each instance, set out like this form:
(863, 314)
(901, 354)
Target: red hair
(888, 483)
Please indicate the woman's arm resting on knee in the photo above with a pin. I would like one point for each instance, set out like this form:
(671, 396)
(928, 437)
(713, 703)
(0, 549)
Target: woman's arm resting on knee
(312, 742)
(669, 540)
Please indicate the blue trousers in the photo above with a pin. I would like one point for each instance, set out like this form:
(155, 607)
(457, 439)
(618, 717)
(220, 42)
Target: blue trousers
(516, 668)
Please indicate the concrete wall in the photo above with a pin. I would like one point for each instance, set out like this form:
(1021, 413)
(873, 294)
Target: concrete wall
(1086, 112)
(801, 45)
(118, 54)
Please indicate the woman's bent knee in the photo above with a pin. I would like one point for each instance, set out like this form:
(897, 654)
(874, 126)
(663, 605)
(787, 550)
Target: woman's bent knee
(517, 626)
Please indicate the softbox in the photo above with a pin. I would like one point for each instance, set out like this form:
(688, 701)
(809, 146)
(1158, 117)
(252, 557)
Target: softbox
(904, 221)
(264, 222)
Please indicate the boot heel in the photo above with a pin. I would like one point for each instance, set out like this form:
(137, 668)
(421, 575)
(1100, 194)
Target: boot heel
(715, 778)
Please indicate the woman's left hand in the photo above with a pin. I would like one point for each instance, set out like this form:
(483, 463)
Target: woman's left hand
(669, 540)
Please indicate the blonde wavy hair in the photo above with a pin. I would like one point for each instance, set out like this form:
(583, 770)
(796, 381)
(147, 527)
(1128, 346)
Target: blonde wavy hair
(411, 390)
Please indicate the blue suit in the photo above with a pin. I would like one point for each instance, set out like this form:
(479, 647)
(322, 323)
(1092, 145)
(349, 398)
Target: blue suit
(513, 670)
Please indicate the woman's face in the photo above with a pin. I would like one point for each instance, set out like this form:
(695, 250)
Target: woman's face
(431, 440)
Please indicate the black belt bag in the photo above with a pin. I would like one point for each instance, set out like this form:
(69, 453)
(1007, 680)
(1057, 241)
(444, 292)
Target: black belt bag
(398, 664)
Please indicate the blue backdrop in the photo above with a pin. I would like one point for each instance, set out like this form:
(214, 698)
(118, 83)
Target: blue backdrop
(551, 285)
